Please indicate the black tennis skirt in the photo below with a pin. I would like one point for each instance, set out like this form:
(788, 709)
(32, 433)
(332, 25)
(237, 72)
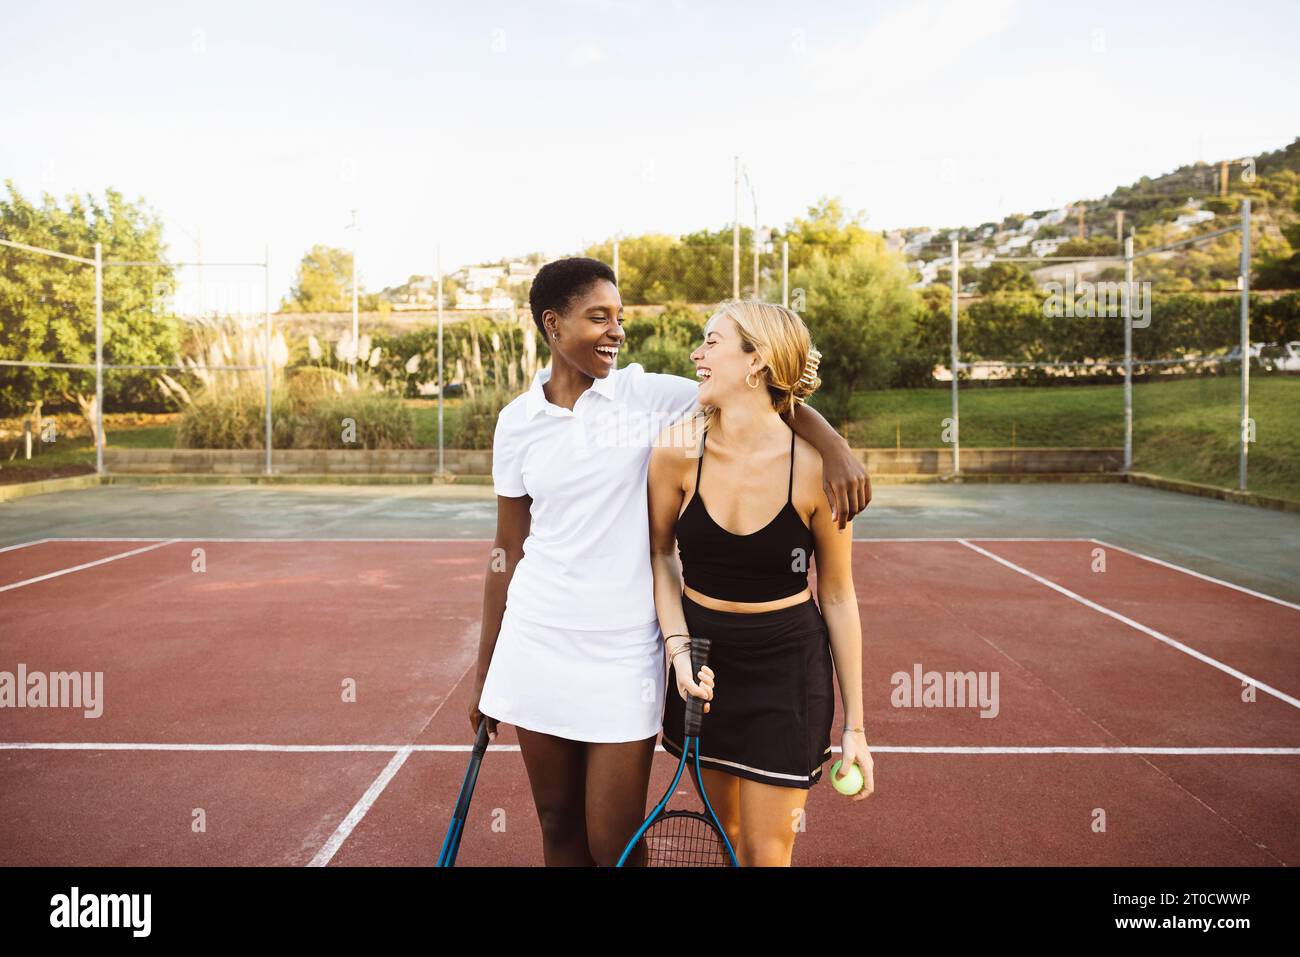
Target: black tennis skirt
(773, 696)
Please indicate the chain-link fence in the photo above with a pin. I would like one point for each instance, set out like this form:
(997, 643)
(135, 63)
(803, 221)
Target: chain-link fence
(1045, 354)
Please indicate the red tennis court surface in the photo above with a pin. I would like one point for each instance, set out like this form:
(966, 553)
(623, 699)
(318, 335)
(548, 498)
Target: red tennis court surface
(1144, 714)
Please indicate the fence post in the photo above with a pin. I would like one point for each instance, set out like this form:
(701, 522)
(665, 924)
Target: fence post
(956, 431)
(266, 346)
(1245, 341)
(1128, 351)
(99, 358)
(735, 239)
(442, 385)
(785, 273)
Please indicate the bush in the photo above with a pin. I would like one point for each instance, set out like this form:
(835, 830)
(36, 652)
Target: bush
(235, 420)
(313, 383)
(478, 421)
(371, 420)
(304, 415)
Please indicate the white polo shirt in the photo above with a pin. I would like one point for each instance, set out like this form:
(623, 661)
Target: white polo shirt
(586, 561)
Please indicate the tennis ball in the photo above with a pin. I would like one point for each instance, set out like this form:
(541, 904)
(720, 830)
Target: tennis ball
(852, 781)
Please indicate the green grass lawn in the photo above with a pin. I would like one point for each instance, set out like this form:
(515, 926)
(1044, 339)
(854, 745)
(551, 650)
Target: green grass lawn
(1181, 429)
(426, 421)
(73, 452)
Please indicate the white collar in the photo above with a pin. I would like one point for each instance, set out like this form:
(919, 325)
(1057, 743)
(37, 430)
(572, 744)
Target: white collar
(537, 400)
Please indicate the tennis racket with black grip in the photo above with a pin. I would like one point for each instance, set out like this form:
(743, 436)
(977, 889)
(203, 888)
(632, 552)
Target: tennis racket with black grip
(451, 843)
(683, 838)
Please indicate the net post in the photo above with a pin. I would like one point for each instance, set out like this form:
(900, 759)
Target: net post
(99, 358)
(1128, 351)
(956, 432)
(1245, 343)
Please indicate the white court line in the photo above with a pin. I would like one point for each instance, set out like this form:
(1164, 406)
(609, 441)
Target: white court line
(1159, 636)
(77, 568)
(407, 749)
(345, 828)
(359, 809)
(1195, 574)
(10, 548)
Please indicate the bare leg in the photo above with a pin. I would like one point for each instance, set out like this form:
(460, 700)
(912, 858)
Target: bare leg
(723, 790)
(769, 821)
(618, 776)
(557, 773)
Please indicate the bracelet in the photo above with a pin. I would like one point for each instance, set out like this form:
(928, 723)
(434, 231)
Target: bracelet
(847, 728)
(682, 647)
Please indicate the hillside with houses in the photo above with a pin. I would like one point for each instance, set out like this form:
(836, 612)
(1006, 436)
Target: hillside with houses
(1195, 199)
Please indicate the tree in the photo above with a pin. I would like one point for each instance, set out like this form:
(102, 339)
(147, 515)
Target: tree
(1283, 271)
(861, 311)
(1005, 277)
(827, 224)
(325, 284)
(47, 304)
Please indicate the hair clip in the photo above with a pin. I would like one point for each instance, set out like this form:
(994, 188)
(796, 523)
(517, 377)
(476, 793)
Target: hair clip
(810, 368)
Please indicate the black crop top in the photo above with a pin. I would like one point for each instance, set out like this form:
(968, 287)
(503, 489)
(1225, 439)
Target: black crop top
(762, 566)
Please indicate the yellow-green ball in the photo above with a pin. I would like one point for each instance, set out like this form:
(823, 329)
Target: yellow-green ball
(852, 781)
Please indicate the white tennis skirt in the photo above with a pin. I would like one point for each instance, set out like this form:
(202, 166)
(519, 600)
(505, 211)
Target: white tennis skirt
(577, 683)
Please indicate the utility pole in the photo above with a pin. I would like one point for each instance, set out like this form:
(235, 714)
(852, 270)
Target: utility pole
(753, 196)
(735, 238)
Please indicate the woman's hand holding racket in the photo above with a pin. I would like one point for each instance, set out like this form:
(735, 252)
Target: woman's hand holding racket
(853, 750)
(685, 684)
(475, 716)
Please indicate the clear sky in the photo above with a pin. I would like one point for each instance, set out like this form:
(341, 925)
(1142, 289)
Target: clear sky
(498, 129)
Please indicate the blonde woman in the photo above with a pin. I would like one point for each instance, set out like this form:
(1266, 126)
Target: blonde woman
(754, 519)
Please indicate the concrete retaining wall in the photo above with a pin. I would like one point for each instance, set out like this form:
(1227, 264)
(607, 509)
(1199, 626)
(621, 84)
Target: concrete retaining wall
(991, 461)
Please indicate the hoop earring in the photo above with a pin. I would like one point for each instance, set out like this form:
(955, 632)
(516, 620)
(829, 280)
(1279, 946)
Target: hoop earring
(752, 385)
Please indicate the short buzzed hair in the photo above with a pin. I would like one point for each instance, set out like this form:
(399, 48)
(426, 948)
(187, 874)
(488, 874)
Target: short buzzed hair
(557, 284)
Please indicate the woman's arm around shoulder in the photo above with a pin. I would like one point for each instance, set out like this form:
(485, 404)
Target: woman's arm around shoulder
(845, 482)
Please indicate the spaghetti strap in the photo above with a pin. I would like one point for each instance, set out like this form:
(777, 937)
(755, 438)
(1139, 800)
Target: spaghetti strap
(700, 464)
(789, 495)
